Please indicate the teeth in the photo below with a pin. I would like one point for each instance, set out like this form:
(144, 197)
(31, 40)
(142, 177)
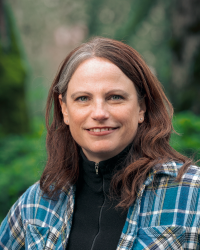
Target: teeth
(104, 129)
(100, 130)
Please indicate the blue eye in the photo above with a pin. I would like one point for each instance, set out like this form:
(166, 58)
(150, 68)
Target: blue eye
(116, 97)
(82, 98)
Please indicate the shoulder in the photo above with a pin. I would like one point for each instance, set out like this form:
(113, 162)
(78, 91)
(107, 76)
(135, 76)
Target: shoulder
(32, 194)
(167, 201)
(36, 205)
(163, 178)
(172, 168)
(183, 193)
(33, 206)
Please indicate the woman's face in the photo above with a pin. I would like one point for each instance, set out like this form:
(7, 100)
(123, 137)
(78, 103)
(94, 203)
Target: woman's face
(101, 109)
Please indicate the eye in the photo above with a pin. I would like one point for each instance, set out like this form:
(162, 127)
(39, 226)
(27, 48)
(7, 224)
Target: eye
(116, 97)
(82, 98)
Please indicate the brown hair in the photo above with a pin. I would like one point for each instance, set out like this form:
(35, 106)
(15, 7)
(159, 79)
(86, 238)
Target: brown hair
(151, 143)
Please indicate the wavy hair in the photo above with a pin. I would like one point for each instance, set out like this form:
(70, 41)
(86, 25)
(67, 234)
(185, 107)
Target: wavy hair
(151, 143)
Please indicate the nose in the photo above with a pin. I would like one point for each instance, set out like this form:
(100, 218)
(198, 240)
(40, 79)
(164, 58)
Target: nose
(100, 111)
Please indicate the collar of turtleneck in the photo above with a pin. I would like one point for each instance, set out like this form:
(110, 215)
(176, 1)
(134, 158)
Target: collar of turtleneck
(106, 169)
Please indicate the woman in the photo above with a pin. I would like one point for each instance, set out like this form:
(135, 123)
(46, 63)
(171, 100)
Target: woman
(112, 181)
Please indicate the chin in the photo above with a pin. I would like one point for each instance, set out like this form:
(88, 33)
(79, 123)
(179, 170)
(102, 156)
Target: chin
(106, 152)
(103, 148)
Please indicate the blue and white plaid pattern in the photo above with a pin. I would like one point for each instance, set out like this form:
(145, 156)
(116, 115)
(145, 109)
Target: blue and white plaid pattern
(167, 217)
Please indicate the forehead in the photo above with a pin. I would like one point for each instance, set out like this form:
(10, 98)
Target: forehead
(98, 71)
(97, 65)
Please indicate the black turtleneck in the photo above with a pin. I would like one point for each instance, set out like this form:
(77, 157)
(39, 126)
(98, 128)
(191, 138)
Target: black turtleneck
(96, 223)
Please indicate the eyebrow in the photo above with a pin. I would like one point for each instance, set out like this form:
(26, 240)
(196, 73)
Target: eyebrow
(120, 91)
(80, 93)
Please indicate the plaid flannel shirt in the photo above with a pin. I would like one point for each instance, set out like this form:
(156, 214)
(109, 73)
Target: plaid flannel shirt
(166, 217)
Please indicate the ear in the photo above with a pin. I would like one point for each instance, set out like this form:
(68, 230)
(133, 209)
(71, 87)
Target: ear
(142, 111)
(64, 109)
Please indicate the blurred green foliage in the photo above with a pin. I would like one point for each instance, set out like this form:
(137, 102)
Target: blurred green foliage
(187, 125)
(13, 77)
(22, 158)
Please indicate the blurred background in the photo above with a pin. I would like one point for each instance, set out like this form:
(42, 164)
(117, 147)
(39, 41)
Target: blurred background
(35, 37)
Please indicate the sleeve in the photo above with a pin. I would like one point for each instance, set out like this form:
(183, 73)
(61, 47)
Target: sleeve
(11, 230)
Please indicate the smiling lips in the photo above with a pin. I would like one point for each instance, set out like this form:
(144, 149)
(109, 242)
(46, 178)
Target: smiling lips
(101, 131)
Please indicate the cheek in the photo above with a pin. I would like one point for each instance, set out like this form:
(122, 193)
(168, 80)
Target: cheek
(77, 115)
(130, 125)
(128, 116)
(130, 128)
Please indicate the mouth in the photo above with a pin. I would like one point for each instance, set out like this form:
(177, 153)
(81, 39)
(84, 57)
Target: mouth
(100, 129)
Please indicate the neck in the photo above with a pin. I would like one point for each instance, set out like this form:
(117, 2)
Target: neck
(99, 157)
(108, 166)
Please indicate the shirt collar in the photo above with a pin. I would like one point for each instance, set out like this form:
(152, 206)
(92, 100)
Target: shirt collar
(169, 168)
